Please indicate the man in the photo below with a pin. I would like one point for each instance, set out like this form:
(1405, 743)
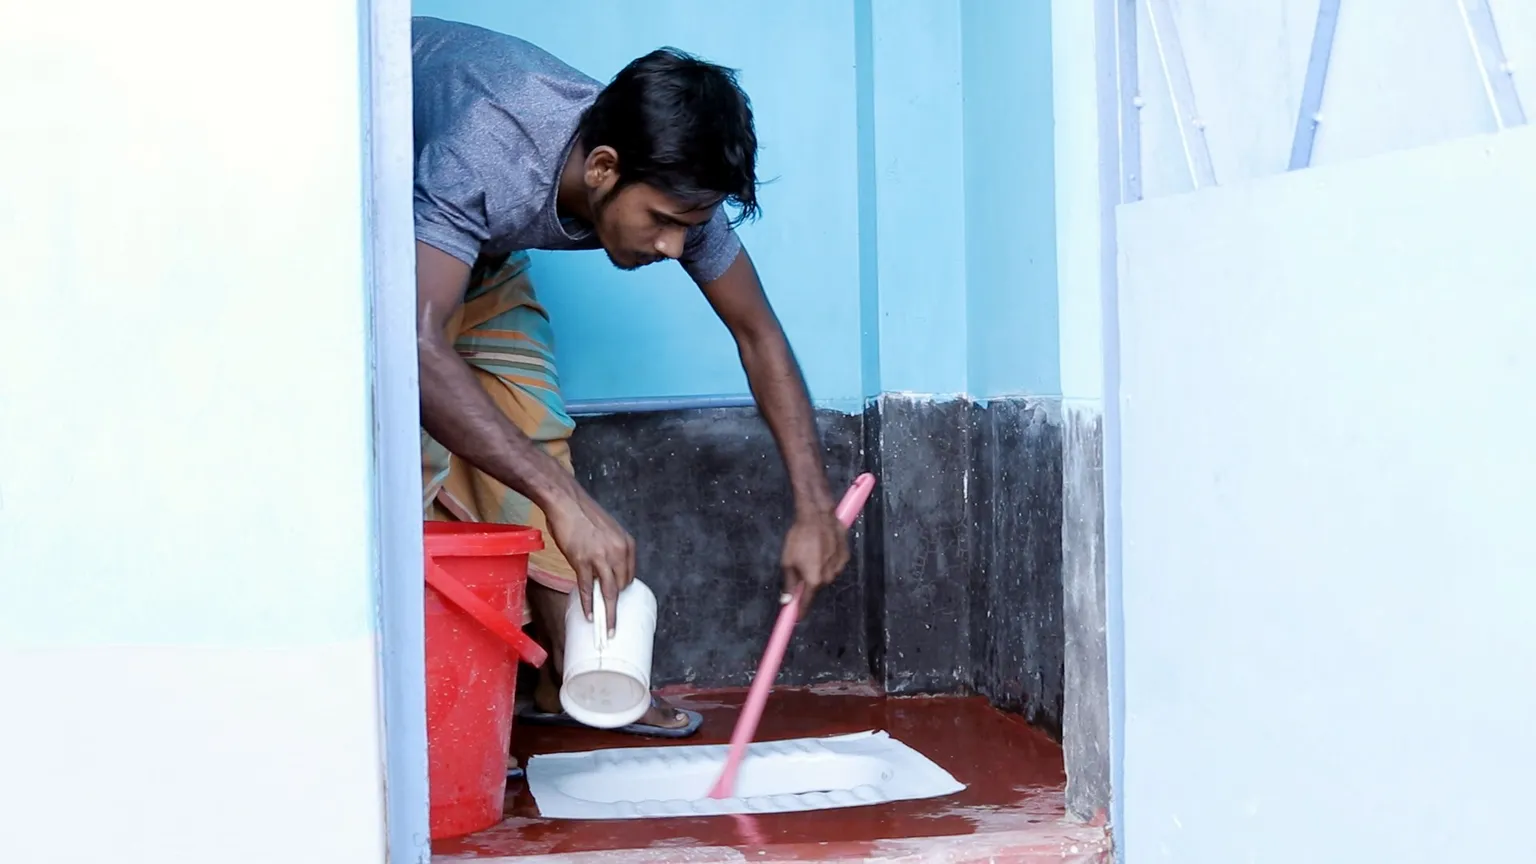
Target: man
(514, 151)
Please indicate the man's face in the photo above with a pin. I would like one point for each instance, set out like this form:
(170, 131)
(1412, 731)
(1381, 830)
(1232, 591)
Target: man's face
(638, 224)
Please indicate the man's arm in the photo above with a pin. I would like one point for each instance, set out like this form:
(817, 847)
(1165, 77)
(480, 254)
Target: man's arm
(457, 412)
(816, 549)
(455, 409)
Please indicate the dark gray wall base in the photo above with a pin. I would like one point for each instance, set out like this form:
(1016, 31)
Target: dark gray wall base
(972, 543)
(1016, 632)
(706, 497)
(956, 581)
(924, 456)
(1086, 712)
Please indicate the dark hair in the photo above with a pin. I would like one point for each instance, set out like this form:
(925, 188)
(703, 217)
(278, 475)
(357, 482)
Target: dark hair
(682, 125)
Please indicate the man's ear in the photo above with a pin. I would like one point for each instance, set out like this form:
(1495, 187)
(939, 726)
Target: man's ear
(602, 167)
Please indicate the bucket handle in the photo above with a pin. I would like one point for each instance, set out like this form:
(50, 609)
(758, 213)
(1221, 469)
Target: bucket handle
(459, 595)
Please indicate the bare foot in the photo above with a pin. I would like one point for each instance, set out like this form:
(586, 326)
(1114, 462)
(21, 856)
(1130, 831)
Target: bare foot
(664, 715)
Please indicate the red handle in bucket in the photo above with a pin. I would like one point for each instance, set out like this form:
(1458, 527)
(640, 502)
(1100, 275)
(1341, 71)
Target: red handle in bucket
(459, 595)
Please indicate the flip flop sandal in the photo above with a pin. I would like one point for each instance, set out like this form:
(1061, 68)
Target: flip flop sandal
(534, 717)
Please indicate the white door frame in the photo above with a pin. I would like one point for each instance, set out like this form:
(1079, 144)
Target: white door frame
(390, 286)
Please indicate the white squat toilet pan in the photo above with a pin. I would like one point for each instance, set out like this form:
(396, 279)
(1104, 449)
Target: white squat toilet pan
(775, 777)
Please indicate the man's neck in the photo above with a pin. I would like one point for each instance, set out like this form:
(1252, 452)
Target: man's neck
(571, 199)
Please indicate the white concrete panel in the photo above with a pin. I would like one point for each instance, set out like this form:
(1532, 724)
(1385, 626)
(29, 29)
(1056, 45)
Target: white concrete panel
(1163, 170)
(187, 607)
(184, 404)
(1247, 62)
(1328, 484)
(191, 755)
(1403, 75)
(1515, 21)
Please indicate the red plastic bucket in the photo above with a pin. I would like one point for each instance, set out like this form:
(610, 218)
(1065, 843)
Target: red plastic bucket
(476, 575)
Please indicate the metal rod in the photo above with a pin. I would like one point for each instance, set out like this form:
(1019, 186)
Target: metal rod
(650, 404)
(1130, 100)
(1170, 54)
(1498, 82)
(1307, 117)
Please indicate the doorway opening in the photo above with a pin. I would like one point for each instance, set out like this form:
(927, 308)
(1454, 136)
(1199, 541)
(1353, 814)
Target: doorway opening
(964, 626)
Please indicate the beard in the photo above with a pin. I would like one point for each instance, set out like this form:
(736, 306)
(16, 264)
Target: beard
(621, 265)
(599, 209)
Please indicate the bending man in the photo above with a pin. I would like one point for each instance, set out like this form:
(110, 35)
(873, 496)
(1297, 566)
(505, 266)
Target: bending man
(515, 150)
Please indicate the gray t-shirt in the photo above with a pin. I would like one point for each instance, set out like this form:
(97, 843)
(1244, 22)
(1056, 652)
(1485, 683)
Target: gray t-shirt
(495, 119)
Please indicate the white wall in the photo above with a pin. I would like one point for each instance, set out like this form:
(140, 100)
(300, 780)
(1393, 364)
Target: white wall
(1403, 73)
(1326, 385)
(187, 632)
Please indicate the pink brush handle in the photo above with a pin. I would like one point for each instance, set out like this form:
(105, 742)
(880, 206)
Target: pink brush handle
(767, 670)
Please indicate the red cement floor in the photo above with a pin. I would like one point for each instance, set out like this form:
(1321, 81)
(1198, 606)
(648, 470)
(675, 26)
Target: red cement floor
(1012, 809)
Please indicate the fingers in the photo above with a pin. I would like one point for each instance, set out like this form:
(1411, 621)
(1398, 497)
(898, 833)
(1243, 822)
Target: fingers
(629, 573)
(617, 569)
(815, 552)
(621, 557)
(791, 579)
(603, 573)
(603, 555)
(610, 587)
(843, 557)
(574, 536)
(798, 584)
(806, 595)
(839, 559)
(616, 549)
(584, 588)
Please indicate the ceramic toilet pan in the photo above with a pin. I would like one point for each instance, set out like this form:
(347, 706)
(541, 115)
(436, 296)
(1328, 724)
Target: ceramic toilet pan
(776, 777)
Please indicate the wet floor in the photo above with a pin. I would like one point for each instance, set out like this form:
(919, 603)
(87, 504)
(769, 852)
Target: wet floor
(1013, 774)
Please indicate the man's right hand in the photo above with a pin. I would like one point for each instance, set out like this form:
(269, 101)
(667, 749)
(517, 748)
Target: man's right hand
(598, 549)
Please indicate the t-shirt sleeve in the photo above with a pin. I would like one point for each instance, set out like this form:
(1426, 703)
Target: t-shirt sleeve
(450, 203)
(711, 249)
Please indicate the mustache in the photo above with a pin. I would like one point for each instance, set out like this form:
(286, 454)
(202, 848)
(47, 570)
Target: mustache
(641, 262)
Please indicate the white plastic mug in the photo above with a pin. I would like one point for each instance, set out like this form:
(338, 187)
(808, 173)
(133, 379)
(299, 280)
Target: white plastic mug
(607, 682)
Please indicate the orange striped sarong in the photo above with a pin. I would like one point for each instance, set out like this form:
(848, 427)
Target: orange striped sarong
(505, 336)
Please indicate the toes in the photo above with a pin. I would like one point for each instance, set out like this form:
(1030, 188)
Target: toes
(667, 717)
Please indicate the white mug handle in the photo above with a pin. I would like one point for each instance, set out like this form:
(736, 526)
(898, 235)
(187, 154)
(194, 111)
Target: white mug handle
(599, 619)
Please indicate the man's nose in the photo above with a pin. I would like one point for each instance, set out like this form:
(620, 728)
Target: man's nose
(670, 243)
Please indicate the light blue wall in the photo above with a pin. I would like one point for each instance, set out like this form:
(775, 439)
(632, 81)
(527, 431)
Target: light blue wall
(919, 196)
(907, 238)
(869, 205)
(1010, 227)
(650, 333)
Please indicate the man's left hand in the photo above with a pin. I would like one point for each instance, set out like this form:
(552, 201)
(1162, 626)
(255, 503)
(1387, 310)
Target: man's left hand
(815, 551)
